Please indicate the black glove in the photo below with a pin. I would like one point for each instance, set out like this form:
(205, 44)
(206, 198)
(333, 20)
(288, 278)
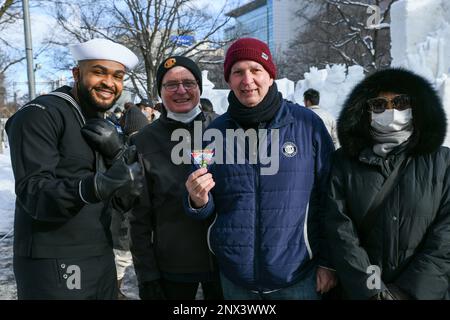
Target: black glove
(125, 197)
(102, 136)
(151, 290)
(124, 177)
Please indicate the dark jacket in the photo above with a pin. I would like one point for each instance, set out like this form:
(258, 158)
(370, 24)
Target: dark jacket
(266, 231)
(49, 158)
(163, 238)
(410, 239)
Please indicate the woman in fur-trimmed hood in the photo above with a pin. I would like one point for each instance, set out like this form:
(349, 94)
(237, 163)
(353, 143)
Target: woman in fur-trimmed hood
(429, 118)
(392, 125)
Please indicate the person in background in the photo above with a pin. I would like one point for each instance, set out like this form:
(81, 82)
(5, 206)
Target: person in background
(267, 235)
(388, 203)
(148, 110)
(170, 251)
(114, 117)
(208, 109)
(118, 113)
(70, 168)
(311, 98)
(159, 107)
(126, 106)
(135, 120)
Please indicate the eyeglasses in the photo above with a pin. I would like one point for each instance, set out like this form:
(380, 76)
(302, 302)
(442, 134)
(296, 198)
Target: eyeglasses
(173, 86)
(379, 104)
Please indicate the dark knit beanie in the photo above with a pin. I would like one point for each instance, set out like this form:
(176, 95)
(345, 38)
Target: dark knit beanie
(249, 49)
(145, 103)
(178, 61)
(135, 120)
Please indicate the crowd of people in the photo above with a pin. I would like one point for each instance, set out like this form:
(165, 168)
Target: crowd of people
(269, 201)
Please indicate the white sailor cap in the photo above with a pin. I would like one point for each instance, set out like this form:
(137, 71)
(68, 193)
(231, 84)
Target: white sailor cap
(103, 49)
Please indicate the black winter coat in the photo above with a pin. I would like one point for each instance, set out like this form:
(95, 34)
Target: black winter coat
(163, 238)
(410, 239)
(49, 158)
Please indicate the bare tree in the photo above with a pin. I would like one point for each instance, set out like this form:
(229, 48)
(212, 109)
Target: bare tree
(342, 31)
(153, 29)
(9, 14)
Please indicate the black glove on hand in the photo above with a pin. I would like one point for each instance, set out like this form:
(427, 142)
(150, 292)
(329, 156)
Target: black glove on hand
(102, 135)
(124, 175)
(126, 196)
(151, 290)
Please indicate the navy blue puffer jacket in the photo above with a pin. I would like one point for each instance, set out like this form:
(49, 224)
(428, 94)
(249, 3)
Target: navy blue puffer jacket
(267, 226)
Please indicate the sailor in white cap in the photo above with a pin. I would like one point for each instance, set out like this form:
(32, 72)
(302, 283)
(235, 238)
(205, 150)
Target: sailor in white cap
(100, 72)
(71, 169)
(103, 49)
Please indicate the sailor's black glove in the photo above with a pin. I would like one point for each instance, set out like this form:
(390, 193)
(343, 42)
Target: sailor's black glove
(124, 177)
(103, 136)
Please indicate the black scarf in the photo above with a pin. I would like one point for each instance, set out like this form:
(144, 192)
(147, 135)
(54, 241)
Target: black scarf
(263, 112)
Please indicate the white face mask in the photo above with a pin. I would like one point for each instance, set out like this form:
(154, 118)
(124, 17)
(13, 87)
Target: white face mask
(184, 117)
(392, 120)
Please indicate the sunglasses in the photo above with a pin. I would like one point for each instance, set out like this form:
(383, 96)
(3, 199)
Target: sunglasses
(379, 105)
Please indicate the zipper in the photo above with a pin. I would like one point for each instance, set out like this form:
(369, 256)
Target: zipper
(208, 235)
(305, 233)
(257, 248)
(257, 222)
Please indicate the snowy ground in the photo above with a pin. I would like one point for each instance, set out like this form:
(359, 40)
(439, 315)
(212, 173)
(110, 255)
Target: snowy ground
(7, 198)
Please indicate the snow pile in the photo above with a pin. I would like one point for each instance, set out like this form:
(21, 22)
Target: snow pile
(334, 84)
(286, 87)
(7, 196)
(218, 98)
(419, 32)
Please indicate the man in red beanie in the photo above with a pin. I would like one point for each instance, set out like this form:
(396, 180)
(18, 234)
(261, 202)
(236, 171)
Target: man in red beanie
(267, 233)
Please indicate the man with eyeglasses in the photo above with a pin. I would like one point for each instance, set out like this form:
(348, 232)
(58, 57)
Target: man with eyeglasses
(170, 251)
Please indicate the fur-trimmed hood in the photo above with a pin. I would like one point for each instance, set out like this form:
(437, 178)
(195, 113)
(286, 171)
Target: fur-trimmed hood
(430, 125)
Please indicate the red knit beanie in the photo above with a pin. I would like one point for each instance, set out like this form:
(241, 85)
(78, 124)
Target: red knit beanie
(249, 49)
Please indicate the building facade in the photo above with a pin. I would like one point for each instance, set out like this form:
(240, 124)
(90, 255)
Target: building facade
(272, 21)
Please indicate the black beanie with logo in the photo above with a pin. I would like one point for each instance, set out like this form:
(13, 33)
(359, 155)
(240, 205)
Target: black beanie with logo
(178, 61)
